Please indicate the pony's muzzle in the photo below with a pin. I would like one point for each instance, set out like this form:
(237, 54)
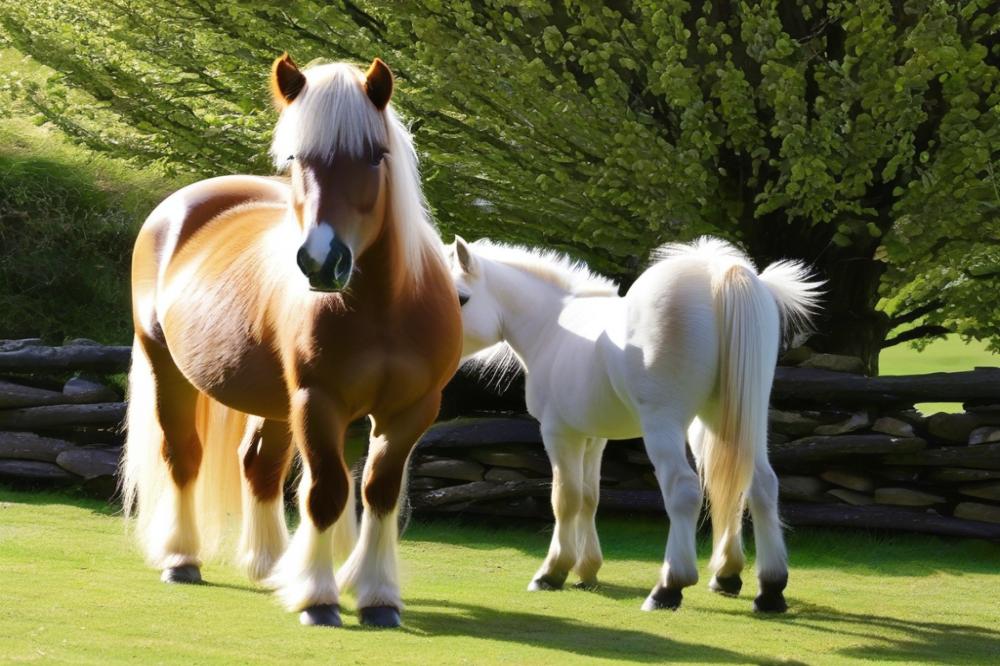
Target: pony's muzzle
(330, 271)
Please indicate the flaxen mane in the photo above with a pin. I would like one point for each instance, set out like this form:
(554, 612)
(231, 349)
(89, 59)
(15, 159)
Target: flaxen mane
(333, 113)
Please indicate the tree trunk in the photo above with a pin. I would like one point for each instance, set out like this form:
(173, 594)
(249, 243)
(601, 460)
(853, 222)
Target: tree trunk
(849, 323)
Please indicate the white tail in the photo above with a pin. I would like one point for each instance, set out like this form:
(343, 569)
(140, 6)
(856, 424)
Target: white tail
(750, 310)
(146, 484)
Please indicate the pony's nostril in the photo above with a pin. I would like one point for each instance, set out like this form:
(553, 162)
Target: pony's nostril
(306, 263)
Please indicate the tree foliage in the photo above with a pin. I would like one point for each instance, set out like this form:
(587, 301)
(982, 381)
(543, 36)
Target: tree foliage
(860, 135)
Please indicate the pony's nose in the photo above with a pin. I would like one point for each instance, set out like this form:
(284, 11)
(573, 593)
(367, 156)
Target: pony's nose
(330, 273)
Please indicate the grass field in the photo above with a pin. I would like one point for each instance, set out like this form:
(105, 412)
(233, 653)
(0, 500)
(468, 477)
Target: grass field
(946, 355)
(74, 590)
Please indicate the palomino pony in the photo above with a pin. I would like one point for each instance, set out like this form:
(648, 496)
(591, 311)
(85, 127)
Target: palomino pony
(307, 304)
(697, 335)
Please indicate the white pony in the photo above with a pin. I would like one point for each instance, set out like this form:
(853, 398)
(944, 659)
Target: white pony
(697, 335)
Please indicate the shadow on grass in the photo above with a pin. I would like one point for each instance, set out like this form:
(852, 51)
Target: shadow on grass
(937, 642)
(643, 538)
(436, 618)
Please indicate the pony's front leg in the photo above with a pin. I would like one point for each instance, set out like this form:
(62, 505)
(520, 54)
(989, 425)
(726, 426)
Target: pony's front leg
(303, 577)
(590, 558)
(566, 453)
(682, 497)
(372, 569)
(265, 456)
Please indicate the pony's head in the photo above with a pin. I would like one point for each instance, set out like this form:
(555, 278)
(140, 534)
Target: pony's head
(334, 134)
(481, 313)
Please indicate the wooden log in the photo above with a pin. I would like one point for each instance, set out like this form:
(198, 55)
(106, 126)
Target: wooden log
(961, 474)
(632, 500)
(830, 447)
(34, 470)
(480, 491)
(81, 391)
(90, 463)
(983, 456)
(68, 358)
(29, 446)
(476, 432)
(76, 391)
(16, 395)
(54, 416)
(15, 345)
(825, 387)
(887, 518)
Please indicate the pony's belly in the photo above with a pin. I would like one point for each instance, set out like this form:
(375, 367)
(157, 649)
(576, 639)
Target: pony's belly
(217, 355)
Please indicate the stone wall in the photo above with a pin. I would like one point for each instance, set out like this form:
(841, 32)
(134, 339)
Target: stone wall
(849, 450)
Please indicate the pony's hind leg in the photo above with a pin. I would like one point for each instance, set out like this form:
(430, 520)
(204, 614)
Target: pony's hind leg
(303, 577)
(772, 558)
(728, 546)
(590, 558)
(372, 568)
(265, 456)
(171, 535)
(682, 497)
(566, 453)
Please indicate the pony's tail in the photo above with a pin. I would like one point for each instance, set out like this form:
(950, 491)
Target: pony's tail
(749, 332)
(146, 487)
(751, 310)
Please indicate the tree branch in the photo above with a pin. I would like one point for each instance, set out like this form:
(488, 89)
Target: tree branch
(915, 334)
(916, 313)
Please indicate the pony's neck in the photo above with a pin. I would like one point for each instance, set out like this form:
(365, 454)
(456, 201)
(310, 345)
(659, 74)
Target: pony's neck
(530, 310)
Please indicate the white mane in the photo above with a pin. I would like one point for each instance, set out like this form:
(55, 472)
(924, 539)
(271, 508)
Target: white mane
(333, 113)
(556, 268)
(713, 250)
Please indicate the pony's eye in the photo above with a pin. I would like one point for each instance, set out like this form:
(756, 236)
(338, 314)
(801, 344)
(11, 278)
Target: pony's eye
(378, 154)
(463, 298)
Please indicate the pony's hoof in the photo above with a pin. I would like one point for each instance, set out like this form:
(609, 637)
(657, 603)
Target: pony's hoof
(383, 617)
(770, 603)
(587, 585)
(771, 598)
(321, 615)
(662, 598)
(728, 586)
(546, 582)
(188, 573)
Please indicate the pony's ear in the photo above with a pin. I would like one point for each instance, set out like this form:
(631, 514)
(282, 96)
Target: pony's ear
(466, 260)
(287, 81)
(378, 83)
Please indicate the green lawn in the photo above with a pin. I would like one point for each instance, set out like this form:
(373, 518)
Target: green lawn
(74, 590)
(947, 355)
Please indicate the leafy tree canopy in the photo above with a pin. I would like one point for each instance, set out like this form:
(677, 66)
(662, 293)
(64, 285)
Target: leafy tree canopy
(860, 135)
